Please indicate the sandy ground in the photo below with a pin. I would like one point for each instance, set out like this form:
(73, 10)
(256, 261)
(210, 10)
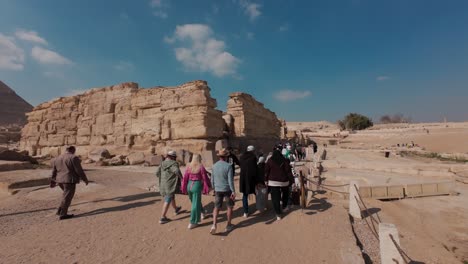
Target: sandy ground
(432, 229)
(117, 222)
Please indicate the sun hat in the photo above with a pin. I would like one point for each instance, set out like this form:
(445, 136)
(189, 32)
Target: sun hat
(172, 153)
(223, 153)
(250, 148)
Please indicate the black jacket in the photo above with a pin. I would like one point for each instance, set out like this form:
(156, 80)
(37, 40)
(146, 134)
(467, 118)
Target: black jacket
(248, 173)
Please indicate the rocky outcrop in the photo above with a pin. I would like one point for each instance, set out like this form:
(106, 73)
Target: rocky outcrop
(251, 122)
(142, 124)
(124, 119)
(12, 107)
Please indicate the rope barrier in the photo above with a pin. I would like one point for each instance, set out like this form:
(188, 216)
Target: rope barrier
(402, 253)
(367, 210)
(373, 231)
(320, 185)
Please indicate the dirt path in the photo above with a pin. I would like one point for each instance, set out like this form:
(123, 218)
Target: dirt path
(117, 222)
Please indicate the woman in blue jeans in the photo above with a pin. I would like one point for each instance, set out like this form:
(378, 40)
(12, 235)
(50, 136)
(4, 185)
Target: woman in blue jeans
(194, 183)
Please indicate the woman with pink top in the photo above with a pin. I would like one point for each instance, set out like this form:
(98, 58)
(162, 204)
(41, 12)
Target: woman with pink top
(194, 183)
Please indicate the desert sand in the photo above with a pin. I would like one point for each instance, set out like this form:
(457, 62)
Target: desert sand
(117, 222)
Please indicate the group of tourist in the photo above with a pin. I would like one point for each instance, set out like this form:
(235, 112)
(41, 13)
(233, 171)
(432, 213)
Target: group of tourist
(257, 174)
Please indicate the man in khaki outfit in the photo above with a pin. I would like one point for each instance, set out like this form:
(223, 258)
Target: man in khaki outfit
(67, 172)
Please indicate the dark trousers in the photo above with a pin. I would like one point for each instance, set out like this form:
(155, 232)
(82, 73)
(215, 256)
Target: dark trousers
(279, 194)
(67, 197)
(245, 203)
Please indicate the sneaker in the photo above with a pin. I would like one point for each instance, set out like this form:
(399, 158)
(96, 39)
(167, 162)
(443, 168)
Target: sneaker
(203, 216)
(286, 209)
(278, 218)
(213, 230)
(192, 226)
(164, 220)
(67, 216)
(229, 228)
(246, 215)
(177, 210)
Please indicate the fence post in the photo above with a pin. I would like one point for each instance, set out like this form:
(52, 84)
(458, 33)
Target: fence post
(354, 209)
(389, 253)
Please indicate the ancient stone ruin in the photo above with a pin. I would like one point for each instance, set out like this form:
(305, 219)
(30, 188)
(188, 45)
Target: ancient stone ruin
(126, 119)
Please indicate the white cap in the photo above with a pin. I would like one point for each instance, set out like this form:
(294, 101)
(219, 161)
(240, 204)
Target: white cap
(250, 148)
(172, 153)
(261, 159)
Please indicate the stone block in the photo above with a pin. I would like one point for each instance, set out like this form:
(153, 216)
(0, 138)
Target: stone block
(388, 251)
(354, 209)
(136, 158)
(153, 160)
(209, 158)
(99, 154)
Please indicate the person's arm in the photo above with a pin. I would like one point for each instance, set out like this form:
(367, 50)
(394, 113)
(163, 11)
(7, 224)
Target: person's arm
(79, 170)
(54, 172)
(206, 180)
(183, 187)
(267, 172)
(231, 180)
(212, 179)
(158, 174)
(235, 160)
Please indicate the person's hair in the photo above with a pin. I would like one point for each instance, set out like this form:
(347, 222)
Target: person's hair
(277, 157)
(71, 149)
(195, 164)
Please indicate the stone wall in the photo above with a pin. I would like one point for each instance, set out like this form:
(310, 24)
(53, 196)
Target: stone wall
(252, 123)
(124, 118)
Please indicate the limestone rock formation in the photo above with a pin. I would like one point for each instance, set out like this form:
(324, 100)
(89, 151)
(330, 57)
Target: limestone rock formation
(124, 118)
(139, 123)
(252, 123)
(12, 107)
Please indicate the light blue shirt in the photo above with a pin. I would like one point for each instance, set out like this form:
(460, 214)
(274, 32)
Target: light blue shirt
(222, 178)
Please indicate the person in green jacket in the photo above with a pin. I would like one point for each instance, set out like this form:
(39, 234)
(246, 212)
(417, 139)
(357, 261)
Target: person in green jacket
(169, 181)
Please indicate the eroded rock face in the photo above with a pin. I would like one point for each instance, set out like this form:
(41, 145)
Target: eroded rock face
(124, 118)
(252, 124)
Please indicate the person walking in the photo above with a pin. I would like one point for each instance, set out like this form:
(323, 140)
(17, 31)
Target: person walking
(222, 180)
(278, 177)
(169, 177)
(248, 177)
(67, 172)
(261, 190)
(233, 160)
(194, 183)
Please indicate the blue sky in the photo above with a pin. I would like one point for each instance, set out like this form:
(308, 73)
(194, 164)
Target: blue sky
(305, 60)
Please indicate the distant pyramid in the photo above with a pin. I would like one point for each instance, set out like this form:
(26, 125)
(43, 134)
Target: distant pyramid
(12, 107)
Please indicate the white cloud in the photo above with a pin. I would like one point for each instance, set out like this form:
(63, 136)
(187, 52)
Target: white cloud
(250, 9)
(124, 66)
(284, 27)
(291, 95)
(201, 51)
(160, 14)
(156, 3)
(31, 36)
(250, 35)
(159, 8)
(382, 78)
(11, 56)
(45, 56)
